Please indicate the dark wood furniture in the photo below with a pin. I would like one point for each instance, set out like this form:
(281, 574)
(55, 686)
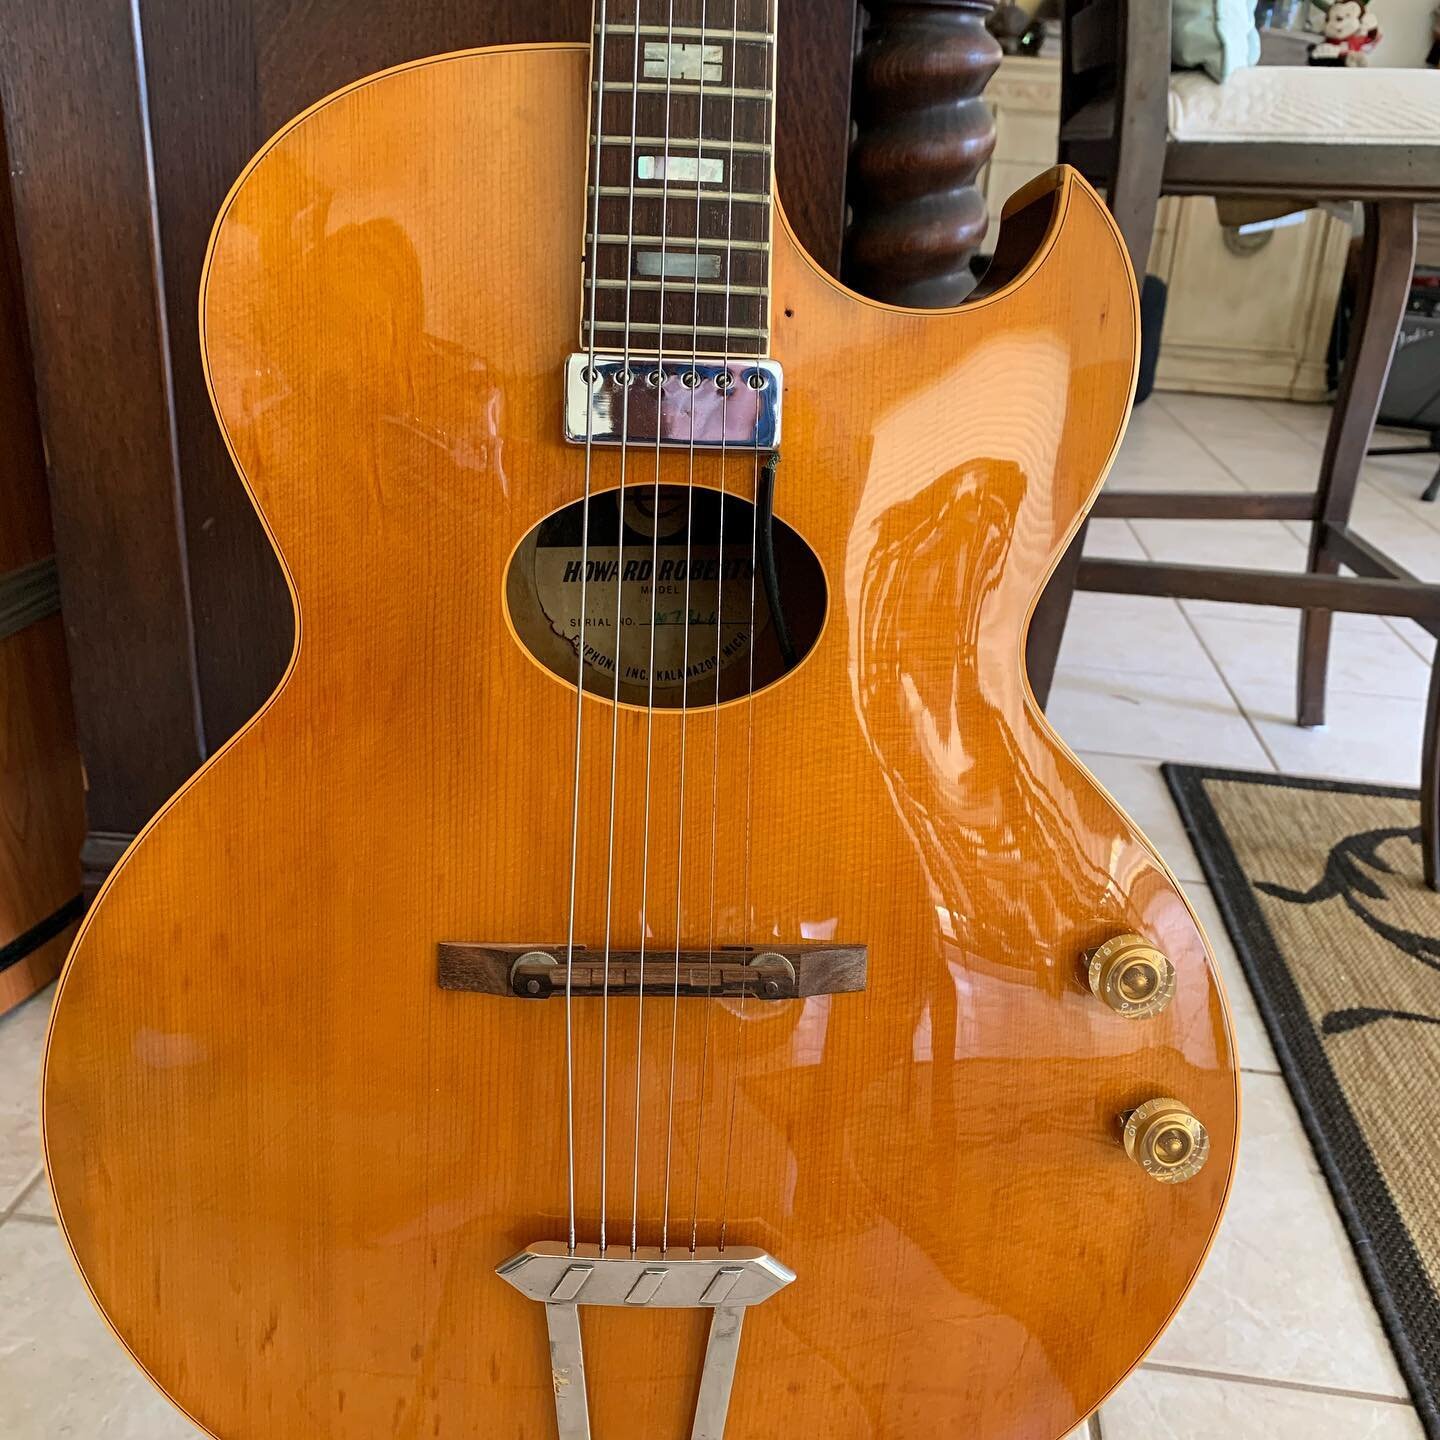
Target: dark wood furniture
(1114, 128)
(41, 804)
(923, 134)
(127, 125)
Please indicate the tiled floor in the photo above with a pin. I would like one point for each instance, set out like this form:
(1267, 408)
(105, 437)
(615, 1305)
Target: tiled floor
(1279, 1341)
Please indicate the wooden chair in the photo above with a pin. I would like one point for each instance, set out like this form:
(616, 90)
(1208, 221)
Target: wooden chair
(1282, 132)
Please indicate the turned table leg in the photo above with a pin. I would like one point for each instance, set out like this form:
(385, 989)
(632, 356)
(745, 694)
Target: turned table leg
(922, 135)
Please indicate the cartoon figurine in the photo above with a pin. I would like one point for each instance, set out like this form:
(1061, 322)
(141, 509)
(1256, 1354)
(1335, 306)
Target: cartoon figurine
(1350, 33)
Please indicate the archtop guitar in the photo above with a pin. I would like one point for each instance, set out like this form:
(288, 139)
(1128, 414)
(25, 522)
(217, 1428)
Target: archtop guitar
(649, 970)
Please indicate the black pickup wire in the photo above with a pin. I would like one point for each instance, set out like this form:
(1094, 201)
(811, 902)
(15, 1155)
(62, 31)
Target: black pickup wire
(765, 557)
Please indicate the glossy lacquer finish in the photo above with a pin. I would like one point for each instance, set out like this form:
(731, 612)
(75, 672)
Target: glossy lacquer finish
(288, 1163)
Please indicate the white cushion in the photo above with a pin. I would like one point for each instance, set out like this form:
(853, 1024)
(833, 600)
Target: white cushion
(1305, 105)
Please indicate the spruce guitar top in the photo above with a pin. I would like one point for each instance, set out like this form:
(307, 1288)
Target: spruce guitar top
(660, 611)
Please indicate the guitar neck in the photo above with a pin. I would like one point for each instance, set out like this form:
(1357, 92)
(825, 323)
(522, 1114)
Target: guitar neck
(678, 200)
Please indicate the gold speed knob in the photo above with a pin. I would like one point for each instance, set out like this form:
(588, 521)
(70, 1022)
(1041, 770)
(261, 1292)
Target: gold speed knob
(1131, 976)
(1166, 1141)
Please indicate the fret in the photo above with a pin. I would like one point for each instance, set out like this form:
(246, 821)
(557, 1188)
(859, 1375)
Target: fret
(747, 332)
(716, 242)
(661, 87)
(740, 147)
(659, 192)
(679, 285)
(688, 117)
(690, 32)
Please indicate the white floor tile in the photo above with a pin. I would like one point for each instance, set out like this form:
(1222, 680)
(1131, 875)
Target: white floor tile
(1209, 416)
(1267, 460)
(1169, 717)
(1386, 525)
(64, 1373)
(1422, 642)
(1112, 540)
(22, 1036)
(1363, 660)
(1162, 1405)
(1177, 465)
(1133, 633)
(1141, 790)
(1285, 463)
(1364, 738)
(1403, 481)
(35, 1202)
(1271, 614)
(1158, 453)
(1281, 1296)
(1250, 1036)
(1256, 544)
(1310, 422)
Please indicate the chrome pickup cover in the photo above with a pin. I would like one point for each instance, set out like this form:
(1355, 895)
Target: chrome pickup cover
(723, 402)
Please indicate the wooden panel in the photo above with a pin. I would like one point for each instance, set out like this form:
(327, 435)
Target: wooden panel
(42, 816)
(20, 981)
(71, 100)
(41, 811)
(812, 120)
(25, 534)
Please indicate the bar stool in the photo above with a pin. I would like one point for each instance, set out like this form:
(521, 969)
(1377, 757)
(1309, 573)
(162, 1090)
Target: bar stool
(1277, 132)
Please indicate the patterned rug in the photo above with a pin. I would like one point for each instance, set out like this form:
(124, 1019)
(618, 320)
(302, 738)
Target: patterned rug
(1320, 885)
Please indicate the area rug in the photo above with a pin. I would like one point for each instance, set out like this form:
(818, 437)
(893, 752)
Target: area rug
(1320, 886)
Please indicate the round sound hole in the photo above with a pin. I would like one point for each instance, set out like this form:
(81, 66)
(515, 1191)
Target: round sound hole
(684, 577)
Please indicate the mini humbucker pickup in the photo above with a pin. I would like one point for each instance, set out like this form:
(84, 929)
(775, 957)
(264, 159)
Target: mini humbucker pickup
(677, 402)
(538, 972)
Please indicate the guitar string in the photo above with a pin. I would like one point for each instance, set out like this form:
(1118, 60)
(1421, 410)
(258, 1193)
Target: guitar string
(685, 663)
(771, 23)
(626, 380)
(654, 613)
(589, 379)
(709, 1005)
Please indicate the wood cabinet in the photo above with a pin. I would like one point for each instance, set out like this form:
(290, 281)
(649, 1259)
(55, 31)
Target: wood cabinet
(127, 124)
(41, 811)
(1246, 315)
(1241, 319)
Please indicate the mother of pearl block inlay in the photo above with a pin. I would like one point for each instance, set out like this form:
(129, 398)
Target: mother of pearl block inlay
(684, 263)
(680, 167)
(684, 62)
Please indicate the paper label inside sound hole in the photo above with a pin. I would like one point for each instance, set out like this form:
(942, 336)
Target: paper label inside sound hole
(680, 577)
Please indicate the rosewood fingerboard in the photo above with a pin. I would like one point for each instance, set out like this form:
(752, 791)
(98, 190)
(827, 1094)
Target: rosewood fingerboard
(681, 155)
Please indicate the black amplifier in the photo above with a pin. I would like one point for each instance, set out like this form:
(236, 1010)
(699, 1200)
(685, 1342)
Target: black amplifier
(1412, 393)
